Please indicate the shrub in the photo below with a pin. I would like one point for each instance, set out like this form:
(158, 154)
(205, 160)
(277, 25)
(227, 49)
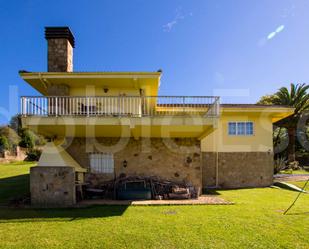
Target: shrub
(294, 165)
(33, 155)
(11, 135)
(279, 164)
(27, 139)
(39, 140)
(4, 143)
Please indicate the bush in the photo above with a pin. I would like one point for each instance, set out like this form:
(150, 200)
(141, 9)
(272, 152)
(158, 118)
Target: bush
(27, 139)
(4, 143)
(39, 140)
(11, 136)
(294, 165)
(279, 164)
(33, 155)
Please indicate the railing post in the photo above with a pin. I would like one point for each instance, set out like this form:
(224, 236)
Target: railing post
(142, 107)
(87, 106)
(118, 106)
(24, 112)
(56, 107)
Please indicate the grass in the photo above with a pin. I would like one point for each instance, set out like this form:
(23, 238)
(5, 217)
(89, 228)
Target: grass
(300, 184)
(14, 180)
(255, 221)
(297, 172)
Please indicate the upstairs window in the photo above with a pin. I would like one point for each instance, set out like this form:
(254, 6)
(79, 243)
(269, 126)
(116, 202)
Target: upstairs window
(102, 163)
(240, 128)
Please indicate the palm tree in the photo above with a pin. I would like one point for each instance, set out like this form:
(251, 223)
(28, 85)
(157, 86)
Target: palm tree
(298, 98)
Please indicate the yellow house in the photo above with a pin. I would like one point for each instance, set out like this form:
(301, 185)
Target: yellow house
(103, 125)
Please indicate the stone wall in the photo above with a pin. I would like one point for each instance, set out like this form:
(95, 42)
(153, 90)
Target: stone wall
(52, 186)
(16, 154)
(173, 159)
(58, 90)
(238, 169)
(208, 169)
(60, 55)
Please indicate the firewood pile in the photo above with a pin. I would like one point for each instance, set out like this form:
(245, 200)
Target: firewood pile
(160, 189)
(165, 189)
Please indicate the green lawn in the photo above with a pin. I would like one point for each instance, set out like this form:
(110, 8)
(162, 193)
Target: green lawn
(297, 172)
(14, 180)
(255, 221)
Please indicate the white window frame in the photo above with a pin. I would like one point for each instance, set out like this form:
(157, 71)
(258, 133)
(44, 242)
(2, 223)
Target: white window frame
(236, 129)
(102, 163)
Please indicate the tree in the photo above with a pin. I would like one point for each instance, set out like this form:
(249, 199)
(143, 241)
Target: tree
(4, 144)
(280, 140)
(27, 139)
(15, 123)
(296, 97)
(11, 136)
(267, 99)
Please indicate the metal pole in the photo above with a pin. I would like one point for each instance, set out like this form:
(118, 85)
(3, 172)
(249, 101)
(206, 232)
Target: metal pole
(303, 190)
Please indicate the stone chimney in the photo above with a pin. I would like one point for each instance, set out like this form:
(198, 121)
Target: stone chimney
(60, 42)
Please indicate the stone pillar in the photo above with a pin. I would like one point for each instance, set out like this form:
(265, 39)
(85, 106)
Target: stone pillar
(52, 186)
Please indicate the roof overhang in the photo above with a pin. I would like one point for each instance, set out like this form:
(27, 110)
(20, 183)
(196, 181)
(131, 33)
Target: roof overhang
(276, 113)
(161, 127)
(150, 81)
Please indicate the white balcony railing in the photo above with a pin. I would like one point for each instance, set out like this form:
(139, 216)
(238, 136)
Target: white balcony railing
(132, 106)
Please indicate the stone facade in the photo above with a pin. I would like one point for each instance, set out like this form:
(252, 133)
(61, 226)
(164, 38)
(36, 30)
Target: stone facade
(172, 159)
(52, 186)
(60, 55)
(58, 90)
(237, 169)
(179, 160)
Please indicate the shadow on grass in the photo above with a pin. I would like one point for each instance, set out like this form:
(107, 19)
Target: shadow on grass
(9, 215)
(13, 187)
(214, 191)
(207, 191)
(299, 213)
(18, 186)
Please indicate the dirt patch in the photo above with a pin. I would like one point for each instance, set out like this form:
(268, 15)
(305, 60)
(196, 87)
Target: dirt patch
(291, 177)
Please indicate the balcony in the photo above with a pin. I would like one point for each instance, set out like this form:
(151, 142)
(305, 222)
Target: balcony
(121, 116)
(121, 106)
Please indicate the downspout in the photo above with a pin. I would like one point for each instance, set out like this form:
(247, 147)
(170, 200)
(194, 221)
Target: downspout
(217, 153)
(216, 161)
(217, 169)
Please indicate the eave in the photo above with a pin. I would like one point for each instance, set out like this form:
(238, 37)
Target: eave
(276, 113)
(41, 80)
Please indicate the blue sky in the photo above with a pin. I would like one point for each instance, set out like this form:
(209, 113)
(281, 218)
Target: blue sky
(237, 49)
